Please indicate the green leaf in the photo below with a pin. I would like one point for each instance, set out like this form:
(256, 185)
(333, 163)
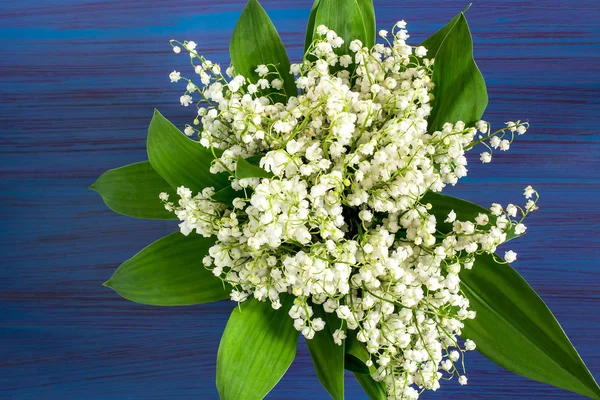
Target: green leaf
(357, 354)
(227, 195)
(328, 357)
(246, 169)
(515, 329)
(133, 190)
(465, 211)
(255, 41)
(353, 364)
(356, 348)
(255, 159)
(257, 348)
(345, 17)
(310, 26)
(460, 92)
(432, 43)
(375, 390)
(368, 14)
(169, 272)
(179, 160)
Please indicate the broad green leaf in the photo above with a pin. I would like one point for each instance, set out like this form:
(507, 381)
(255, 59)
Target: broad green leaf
(515, 329)
(368, 14)
(179, 160)
(246, 169)
(133, 190)
(368, 18)
(227, 195)
(460, 92)
(328, 357)
(353, 364)
(255, 41)
(255, 159)
(169, 272)
(358, 354)
(375, 390)
(465, 211)
(513, 324)
(344, 17)
(310, 26)
(257, 348)
(356, 351)
(432, 43)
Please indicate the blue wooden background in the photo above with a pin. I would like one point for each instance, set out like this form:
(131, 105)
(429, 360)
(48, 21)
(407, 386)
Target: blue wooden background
(79, 80)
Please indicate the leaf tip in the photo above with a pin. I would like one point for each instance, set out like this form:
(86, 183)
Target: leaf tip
(95, 186)
(251, 3)
(155, 115)
(108, 283)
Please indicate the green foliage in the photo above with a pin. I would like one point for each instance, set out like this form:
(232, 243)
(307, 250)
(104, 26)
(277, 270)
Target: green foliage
(255, 41)
(179, 160)
(353, 364)
(375, 390)
(227, 195)
(350, 19)
(257, 348)
(169, 272)
(433, 42)
(515, 329)
(328, 357)
(356, 350)
(310, 25)
(460, 92)
(465, 211)
(133, 190)
(245, 169)
(368, 14)
(357, 354)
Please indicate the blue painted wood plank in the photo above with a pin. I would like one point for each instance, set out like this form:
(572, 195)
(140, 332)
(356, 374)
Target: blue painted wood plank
(79, 81)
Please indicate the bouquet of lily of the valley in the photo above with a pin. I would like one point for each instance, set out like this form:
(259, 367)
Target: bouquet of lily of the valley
(310, 194)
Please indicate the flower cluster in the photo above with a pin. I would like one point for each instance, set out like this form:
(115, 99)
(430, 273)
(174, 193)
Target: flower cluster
(341, 223)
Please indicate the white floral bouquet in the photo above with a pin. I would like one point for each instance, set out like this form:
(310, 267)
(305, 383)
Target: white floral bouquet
(313, 199)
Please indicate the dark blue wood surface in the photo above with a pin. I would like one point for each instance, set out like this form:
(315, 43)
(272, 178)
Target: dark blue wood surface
(79, 80)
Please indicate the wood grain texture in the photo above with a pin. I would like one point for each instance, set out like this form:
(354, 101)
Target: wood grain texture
(79, 80)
